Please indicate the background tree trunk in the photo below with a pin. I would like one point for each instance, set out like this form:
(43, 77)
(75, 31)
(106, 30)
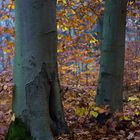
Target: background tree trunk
(109, 91)
(37, 98)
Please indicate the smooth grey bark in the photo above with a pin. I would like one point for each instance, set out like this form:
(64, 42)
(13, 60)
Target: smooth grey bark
(37, 97)
(109, 90)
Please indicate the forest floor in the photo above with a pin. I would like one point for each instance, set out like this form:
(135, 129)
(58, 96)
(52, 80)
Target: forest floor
(85, 120)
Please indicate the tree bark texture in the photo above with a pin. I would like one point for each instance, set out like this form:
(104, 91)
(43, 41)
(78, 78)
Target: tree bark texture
(37, 91)
(109, 90)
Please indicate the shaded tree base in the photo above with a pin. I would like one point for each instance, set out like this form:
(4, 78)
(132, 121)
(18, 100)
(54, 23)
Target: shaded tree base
(44, 115)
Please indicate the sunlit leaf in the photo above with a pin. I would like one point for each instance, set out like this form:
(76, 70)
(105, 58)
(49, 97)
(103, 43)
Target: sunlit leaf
(126, 118)
(81, 111)
(134, 123)
(13, 117)
(94, 114)
(132, 99)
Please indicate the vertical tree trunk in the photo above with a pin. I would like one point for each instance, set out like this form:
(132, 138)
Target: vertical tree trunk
(37, 98)
(109, 90)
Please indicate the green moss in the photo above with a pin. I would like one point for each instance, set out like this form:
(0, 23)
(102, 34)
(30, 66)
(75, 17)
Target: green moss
(18, 131)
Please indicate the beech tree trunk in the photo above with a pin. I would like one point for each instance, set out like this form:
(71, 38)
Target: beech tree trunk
(37, 99)
(109, 90)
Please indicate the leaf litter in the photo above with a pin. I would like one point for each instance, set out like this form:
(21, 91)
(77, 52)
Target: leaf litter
(85, 120)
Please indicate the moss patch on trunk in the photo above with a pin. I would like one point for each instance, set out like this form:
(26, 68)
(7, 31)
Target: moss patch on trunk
(18, 131)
